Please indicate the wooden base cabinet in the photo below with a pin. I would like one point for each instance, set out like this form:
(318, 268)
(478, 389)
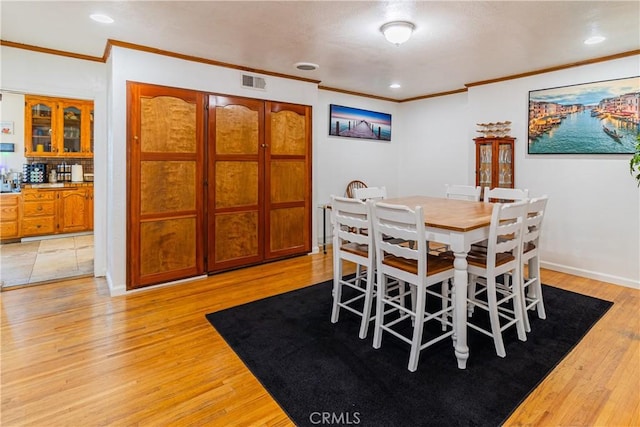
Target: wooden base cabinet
(10, 216)
(74, 209)
(59, 210)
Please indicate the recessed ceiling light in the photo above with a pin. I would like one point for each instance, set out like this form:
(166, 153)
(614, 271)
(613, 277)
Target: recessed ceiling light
(104, 19)
(394, 86)
(595, 40)
(306, 66)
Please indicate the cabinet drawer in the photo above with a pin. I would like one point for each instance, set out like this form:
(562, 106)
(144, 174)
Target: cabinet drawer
(8, 229)
(9, 200)
(37, 226)
(8, 213)
(30, 196)
(39, 209)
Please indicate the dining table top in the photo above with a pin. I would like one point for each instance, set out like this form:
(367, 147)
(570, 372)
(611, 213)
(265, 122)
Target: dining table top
(448, 214)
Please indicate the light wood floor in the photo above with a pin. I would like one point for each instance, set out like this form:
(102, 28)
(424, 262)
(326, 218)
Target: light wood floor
(72, 355)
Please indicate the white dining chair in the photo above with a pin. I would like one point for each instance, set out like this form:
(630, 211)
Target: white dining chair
(348, 217)
(410, 264)
(502, 300)
(456, 192)
(366, 193)
(505, 195)
(500, 195)
(463, 192)
(531, 285)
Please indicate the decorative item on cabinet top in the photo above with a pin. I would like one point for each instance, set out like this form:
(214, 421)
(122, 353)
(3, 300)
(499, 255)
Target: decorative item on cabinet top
(494, 130)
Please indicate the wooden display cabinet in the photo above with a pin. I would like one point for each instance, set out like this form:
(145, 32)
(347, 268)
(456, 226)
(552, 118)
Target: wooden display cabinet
(58, 127)
(494, 162)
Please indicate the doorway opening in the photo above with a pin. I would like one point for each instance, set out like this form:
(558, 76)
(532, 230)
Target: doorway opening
(34, 261)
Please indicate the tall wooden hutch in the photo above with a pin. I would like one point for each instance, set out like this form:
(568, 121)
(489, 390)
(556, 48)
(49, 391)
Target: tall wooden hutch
(494, 162)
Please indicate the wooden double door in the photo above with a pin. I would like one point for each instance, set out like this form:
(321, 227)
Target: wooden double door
(214, 183)
(259, 175)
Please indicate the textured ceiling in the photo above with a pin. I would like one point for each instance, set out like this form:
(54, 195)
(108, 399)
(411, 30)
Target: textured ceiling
(454, 43)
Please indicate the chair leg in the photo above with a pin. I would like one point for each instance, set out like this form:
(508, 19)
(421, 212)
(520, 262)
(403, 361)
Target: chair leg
(381, 284)
(413, 291)
(471, 294)
(518, 302)
(536, 286)
(494, 318)
(526, 292)
(444, 292)
(337, 288)
(368, 297)
(416, 342)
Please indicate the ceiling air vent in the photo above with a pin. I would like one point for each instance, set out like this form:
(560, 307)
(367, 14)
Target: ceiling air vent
(253, 82)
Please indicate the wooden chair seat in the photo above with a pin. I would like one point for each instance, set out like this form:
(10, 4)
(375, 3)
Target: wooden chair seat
(356, 249)
(435, 264)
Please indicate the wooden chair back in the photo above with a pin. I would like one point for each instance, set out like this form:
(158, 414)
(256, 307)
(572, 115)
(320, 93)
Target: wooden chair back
(352, 186)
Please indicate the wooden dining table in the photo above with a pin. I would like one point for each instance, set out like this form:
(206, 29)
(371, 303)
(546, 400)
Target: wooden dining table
(457, 223)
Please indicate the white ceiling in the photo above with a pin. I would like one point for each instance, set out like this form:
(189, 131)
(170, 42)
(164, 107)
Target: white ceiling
(455, 42)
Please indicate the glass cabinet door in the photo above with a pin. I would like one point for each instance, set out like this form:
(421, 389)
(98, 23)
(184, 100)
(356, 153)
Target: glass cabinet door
(505, 166)
(485, 172)
(72, 130)
(41, 138)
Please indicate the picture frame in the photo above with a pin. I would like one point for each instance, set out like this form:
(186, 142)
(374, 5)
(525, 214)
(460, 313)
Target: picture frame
(357, 123)
(6, 128)
(590, 118)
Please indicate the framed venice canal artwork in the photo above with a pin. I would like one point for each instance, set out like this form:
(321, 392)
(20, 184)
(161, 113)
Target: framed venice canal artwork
(356, 123)
(592, 118)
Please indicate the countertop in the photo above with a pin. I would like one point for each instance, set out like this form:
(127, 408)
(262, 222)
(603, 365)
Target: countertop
(46, 185)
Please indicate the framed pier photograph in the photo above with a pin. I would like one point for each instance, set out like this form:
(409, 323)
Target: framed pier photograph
(356, 123)
(591, 118)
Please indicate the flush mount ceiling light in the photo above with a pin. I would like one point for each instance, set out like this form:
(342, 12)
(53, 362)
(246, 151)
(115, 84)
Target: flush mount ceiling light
(397, 32)
(104, 19)
(306, 66)
(594, 40)
(395, 86)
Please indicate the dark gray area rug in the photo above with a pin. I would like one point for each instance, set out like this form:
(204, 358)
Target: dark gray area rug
(322, 374)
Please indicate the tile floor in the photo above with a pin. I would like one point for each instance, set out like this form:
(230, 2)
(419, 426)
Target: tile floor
(45, 260)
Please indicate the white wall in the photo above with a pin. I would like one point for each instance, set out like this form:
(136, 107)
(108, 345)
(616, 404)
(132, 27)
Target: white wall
(27, 72)
(12, 110)
(436, 149)
(592, 226)
(339, 160)
(130, 65)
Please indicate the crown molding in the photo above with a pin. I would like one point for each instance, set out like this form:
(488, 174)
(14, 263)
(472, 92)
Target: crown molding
(126, 45)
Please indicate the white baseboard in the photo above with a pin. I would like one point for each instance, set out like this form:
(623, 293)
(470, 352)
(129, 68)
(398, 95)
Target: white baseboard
(616, 280)
(121, 290)
(54, 236)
